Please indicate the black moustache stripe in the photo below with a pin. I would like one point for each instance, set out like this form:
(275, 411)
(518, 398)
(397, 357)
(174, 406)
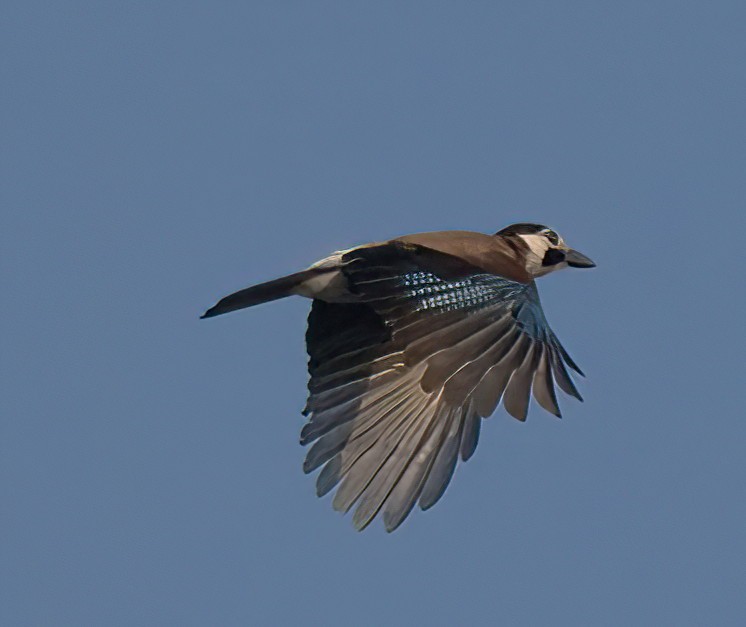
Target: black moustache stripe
(552, 257)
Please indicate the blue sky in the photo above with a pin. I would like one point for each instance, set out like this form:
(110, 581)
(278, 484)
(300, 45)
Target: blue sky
(157, 156)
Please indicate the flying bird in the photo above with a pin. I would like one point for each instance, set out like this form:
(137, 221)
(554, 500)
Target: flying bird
(412, 342)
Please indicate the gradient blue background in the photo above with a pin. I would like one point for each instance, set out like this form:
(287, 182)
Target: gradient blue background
(156, 156)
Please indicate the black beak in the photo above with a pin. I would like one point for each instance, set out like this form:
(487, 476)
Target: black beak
(578, 260)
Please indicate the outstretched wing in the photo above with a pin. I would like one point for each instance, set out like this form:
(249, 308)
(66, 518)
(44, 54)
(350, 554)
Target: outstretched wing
(401, 378)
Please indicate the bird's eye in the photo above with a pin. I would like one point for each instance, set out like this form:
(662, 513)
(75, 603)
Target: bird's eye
(552, 237)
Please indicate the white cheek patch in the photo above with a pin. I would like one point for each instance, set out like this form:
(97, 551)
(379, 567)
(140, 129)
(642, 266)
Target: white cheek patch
(538, 245)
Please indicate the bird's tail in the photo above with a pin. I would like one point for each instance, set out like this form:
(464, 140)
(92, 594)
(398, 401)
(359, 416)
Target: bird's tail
(261, 293)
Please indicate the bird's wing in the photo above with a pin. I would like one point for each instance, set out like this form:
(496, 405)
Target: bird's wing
(401, 378)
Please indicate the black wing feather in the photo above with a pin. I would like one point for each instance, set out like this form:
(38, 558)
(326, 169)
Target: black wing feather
(401, 378)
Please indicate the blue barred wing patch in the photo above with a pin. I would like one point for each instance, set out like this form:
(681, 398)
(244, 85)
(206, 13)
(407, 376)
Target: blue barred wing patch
(399, 280)
(435, 294)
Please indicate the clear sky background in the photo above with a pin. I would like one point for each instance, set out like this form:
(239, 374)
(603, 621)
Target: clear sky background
(156, 156)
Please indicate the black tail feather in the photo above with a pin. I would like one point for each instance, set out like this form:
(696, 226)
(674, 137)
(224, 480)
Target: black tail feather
(257, 294)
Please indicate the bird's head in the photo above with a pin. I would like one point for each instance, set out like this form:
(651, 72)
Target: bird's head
(543, 249)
